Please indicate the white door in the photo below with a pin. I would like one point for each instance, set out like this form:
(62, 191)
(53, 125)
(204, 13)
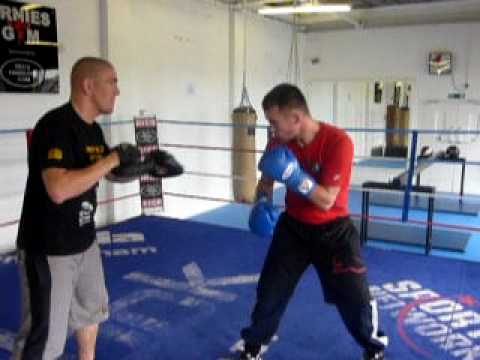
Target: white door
(321, 100)
(351, 109)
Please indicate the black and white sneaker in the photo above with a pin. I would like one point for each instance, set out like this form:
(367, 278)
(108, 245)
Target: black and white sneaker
(249, 356)
(379, 355)
(251, 352)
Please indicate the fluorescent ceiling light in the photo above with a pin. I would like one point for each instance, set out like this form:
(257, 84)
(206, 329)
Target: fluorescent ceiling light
(304, 9)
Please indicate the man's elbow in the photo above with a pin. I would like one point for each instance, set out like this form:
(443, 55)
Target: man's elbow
(54, 182)
(57, 196)
(328, 201)
(327, 205)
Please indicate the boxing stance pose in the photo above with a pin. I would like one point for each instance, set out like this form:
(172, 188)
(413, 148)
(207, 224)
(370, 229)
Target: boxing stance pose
(313, 159)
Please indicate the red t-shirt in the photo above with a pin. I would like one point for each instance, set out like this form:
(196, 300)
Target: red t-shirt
(328, 158)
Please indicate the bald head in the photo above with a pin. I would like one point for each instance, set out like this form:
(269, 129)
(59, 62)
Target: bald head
(87, 68)
(93, 87)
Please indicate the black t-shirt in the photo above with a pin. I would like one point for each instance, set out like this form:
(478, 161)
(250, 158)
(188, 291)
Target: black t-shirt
(60, 139)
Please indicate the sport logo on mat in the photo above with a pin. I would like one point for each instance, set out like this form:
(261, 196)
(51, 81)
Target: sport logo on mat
(431, 323)
(137, 319)
(8, 258)
(124, 244)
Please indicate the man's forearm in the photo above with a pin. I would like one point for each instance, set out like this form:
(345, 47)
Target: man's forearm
(264, 187)
(324, 197)
(64, 184)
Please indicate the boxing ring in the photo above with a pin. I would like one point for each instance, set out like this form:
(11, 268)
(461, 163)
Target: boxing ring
(182, 289)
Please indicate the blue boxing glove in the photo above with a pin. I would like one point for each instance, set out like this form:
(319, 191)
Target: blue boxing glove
(280, 164)
(263, 217)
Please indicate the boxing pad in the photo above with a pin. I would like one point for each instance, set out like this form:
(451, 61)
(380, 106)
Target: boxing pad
(131, 171)
(163, 164)
(263, 218)
(426, 152)
(452, 152)
(128, 154)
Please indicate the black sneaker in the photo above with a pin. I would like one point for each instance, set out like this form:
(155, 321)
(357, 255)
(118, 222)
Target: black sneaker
(251, 352)
(247, 356)
(379, 355)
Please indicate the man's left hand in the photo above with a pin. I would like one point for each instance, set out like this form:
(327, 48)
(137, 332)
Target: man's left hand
(163, 164)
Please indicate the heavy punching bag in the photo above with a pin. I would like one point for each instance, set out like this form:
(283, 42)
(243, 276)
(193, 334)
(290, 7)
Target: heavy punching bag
(244, 162)
(398, 117)
(244, 119)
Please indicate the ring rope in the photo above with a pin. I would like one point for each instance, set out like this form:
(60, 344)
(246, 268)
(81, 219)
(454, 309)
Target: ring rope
(9, 223)
(266, 127)
(231, 201)
(110, 200)
(13, 131)
(225, 176)
(201, 147)
(187, 123)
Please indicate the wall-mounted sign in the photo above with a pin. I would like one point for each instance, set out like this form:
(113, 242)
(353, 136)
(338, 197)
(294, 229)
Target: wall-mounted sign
(440, 62)
(28, 48)
(146, 136)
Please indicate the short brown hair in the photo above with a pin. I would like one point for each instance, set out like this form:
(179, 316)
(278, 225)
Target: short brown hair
(285, 96)
(88, 66)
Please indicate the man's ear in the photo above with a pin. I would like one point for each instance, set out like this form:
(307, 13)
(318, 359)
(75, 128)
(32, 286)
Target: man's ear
(87, 86)
(297, 116)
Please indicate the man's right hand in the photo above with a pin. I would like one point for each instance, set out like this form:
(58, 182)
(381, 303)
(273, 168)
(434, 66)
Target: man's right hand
(128, 154)
(280, 164)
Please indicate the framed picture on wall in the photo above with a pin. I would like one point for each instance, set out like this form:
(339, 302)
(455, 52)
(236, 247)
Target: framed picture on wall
(440, 62)
(28, 48)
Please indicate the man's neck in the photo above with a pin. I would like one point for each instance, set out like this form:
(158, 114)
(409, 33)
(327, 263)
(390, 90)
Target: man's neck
(309, 132)
(85, 112)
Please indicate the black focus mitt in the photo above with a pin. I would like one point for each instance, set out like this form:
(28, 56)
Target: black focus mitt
(131, 167)
(163, 164)
(127, 153)
(124, 173)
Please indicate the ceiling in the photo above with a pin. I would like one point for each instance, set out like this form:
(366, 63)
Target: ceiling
(376, 13)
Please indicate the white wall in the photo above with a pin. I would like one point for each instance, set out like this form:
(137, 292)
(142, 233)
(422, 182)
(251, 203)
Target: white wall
(401, 53)
(78, 35)
(179, 59)
(183, 60)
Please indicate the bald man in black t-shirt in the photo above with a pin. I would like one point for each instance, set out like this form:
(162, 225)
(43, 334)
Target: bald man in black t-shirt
(63, 283)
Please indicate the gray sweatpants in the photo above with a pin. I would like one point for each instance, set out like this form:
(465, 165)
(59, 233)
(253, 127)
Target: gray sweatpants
(59, 293)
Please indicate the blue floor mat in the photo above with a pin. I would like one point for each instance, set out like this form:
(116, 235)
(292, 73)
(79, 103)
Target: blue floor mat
(183, 290)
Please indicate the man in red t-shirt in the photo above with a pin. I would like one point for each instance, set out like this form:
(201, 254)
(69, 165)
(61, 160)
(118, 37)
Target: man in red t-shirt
(314, 161)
